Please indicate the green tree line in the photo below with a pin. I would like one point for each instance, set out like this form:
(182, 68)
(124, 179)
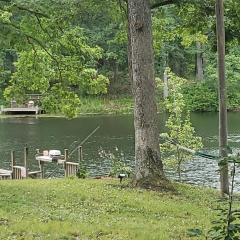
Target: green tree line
(69, 49)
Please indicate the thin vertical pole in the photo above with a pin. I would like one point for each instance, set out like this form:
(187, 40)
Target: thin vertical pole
(223, 132)
(13, 163)
(25, 156)
(66, 154)
(41, 166)
(80, 154)
(80, 158)
(66, 159)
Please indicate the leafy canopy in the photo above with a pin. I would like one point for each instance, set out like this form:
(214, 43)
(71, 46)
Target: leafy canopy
(55, 57)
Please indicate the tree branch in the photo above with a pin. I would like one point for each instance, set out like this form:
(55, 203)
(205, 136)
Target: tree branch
(163, 3)
(40, 44)
(45, 30)
(46, 50)
(22, 8)
(41, 26)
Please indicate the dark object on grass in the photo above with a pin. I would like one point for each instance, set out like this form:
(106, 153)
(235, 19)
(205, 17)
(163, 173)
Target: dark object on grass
(121, 176)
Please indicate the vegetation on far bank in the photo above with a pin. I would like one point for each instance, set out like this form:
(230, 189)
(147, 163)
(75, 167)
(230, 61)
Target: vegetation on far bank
(89, 58)
(100, 209)
(123, 104)
(106, 105)
(96, 105)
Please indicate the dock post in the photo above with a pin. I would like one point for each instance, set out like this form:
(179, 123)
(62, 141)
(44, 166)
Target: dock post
(66, 159)
(80, 154)
(13, 162)
(25, 156)
(40, 164)
(65, 154)
(80, 158)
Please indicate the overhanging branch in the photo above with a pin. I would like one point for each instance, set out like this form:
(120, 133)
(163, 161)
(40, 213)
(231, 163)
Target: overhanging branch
(35, 12)
(29, 37)
(163, 3)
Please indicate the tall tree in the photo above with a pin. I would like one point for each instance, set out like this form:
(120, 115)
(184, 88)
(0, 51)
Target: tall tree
(222, 94)
(149, 168)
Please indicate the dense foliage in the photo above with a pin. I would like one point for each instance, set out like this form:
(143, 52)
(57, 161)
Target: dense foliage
(83, 51)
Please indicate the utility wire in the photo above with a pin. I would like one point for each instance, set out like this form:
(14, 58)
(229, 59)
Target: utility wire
(84, 140)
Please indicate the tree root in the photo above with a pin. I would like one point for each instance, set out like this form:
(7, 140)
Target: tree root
(155, 184)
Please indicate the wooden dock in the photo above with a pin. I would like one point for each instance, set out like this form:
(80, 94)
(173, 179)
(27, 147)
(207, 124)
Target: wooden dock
(29, 106)
(20, 110)
(22, 172)
(71, 167)
(19, 172)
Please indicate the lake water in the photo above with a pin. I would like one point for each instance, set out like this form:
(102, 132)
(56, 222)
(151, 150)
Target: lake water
(116, 134)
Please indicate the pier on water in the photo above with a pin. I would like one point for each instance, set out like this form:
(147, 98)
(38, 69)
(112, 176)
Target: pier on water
(30, 106)
(21, 110)
(22, 171)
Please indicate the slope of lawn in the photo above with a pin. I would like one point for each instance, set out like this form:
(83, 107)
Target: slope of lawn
(100, 209)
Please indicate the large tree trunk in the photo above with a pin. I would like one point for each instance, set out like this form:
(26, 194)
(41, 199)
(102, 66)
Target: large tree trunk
(199, 62)
(222, 95)
(149, 168)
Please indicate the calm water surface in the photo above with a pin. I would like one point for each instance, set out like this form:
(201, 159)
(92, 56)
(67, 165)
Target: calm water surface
(116, 134)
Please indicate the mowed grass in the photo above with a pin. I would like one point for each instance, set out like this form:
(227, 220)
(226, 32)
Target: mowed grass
(100, 209)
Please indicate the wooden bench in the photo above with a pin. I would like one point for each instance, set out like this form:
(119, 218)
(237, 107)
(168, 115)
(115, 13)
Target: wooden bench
(21, 172)
(70, 169)
(5, 174)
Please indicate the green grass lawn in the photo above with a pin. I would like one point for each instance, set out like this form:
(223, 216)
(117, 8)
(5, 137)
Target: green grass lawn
(100, 209)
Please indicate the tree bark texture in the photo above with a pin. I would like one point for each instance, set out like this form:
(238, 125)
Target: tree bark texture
(149, 168)
(223, 132)
(199, 62)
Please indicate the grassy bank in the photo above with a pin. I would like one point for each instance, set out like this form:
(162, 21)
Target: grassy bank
(106, 105)
(100, 209)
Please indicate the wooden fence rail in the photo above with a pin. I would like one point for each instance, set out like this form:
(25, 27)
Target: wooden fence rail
(71, 169)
